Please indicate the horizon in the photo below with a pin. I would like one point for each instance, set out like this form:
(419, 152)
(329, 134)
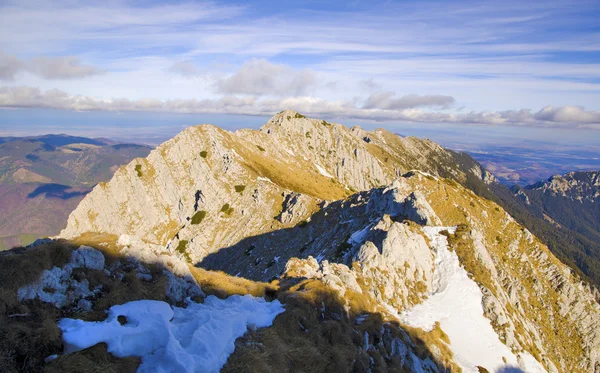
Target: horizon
(481, 77)
(535, 155)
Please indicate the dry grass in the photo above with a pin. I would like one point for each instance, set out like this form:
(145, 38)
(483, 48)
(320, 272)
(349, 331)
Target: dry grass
(223, 285)
(290, 176)
(28, 330)
(462, 243)
(319, 333)
(436, 337)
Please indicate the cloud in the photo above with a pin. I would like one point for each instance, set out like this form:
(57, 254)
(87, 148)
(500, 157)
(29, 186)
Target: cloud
(9, 66)
(369, 85)
(386, 101)
(574, 114)
(31, 97)
(184, 68)
(261, 77)
(68, 67)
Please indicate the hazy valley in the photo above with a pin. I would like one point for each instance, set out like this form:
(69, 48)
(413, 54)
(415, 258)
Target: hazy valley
(43, 178)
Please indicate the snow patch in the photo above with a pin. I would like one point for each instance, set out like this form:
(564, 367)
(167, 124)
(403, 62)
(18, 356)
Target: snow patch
(359, 236)
(456, 303)
(264, 179)
(323, 171)
(198, 338)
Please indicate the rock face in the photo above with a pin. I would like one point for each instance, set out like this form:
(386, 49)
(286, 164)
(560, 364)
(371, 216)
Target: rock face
(578, 186)
(571, 205)
(234, 184)
(304, 198)
(57, 286)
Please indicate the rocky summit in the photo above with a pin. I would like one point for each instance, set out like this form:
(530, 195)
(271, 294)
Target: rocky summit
(381, 254)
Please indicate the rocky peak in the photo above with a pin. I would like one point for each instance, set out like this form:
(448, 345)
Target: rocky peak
(579, 185)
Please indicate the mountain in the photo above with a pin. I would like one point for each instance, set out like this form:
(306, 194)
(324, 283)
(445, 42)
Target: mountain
(380, 250)
(571, 204)
(43, 178)
(62, 159)
(292, 160)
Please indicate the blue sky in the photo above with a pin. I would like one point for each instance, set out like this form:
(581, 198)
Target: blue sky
(470, 66)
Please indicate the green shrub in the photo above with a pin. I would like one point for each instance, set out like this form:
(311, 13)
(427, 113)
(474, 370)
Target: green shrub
(181, 248)
(203, 153)
(138, 170)
(240, 188)
(198, 217)
(228, 210)
(325, 123)
(260, 148)
(298, 115)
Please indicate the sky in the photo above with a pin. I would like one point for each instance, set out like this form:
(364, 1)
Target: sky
(476, 69)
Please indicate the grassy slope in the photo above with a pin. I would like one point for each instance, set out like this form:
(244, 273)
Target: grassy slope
(316, 333)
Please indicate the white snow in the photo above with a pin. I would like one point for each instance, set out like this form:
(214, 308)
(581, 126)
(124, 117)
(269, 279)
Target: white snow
(264, 179)
(456, 303)
(426, 174)
(530, 364)
(198, 338)
(322, 171)
(358, 236)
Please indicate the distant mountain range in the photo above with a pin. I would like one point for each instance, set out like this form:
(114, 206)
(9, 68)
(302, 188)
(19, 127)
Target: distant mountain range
(571, 204)
(43, 178)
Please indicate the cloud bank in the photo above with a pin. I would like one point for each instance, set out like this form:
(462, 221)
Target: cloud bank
(564, 116)
(261, 77)
(386, 101)
(67, 67)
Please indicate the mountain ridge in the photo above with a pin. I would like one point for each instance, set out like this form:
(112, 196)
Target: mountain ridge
(254, 194)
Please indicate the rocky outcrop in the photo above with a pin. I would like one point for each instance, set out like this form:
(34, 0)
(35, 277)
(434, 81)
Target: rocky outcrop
(69, 285)
(59, 287)
(577, 186)
(208, 188)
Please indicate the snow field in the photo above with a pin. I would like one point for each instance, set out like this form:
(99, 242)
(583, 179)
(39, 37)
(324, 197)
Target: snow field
(198, 338)
(456, 302)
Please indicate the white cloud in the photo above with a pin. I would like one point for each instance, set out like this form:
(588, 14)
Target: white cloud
(9, 66)
(386, 101)
(492, 60)
(68, 67)
(261, 77)
(574, 114)
(184, 68)
(30, 97)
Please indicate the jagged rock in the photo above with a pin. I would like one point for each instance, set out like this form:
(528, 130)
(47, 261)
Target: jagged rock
(194, 173)
(87, 257)
(307, 268)
(181, 281)
(294, 207)
(58, 287)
